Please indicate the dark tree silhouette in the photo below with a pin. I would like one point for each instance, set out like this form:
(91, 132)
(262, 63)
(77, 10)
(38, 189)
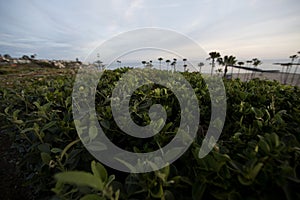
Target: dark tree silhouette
(226, 61)
(168, 63)
(200, 65)
(293, 57)
(119, 62)
(184, 67)
(240, 64)
(160, 59)
(297, 68)
(174, 64)
(255, 63)
(246, 77)
(213, 56)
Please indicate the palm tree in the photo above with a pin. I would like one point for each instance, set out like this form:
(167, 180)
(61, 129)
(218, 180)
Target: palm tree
(200, 65)
(297, 68)
(184, 67)
(184, 60)
(149, 64)
(240, 64)
(255, 63)
(288, 68)
(144, 63)
(119, 62)
(213, 56)
(246, 77)
(100, 65)
(226, 61)
(293, 57)
(219, 71)
(174, 64)
(160, 59)
(231, 72)
(168, 62)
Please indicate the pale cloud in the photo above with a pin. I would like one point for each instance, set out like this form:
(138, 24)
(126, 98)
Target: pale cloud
(133, 7)
(72, 29)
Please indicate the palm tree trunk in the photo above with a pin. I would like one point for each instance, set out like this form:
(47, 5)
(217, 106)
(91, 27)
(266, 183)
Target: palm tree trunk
(289, 72)
(225, 71)
(286, 74)
(281, 75)
(251, 74)
(212, 67)
(254, 73)
(296, 69)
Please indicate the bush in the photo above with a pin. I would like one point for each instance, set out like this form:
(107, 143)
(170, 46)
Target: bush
(256, 157)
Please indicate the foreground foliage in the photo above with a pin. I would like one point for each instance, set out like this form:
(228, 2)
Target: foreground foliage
(256, 157)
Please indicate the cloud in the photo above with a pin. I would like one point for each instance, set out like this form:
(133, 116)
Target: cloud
(68, 28)
(132, 9)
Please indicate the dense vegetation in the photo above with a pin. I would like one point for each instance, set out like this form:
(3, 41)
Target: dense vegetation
(256, 157)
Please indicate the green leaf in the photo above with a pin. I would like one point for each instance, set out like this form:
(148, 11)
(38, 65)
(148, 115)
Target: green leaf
(15, 114)
(105, 124)
(128, 165)
(244, 181)
(67, 148)
(46, 158)
(110, 179)
(172, 153)
(80, 179)
(258, 113)
(157, 192)
(96, 146)
(168, 195)
(37, 105)
(6, 110)
(164, 173)
(44, 148)
(275, 139)
(264, 145)
(99, 171)
(56, 150)
(93, 132)
(255, 170)
(198, 190)
(49, 125)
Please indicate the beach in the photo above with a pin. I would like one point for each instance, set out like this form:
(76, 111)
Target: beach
(283, 78)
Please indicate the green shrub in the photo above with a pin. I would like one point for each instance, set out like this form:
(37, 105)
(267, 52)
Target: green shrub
(256, 157)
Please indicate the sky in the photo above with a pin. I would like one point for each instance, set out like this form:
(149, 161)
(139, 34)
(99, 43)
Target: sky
(69, 29)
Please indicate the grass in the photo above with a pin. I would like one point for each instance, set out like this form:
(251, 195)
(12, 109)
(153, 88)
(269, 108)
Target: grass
(11, 75)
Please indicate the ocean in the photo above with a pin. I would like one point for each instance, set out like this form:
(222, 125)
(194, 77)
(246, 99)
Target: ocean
(267, 64)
